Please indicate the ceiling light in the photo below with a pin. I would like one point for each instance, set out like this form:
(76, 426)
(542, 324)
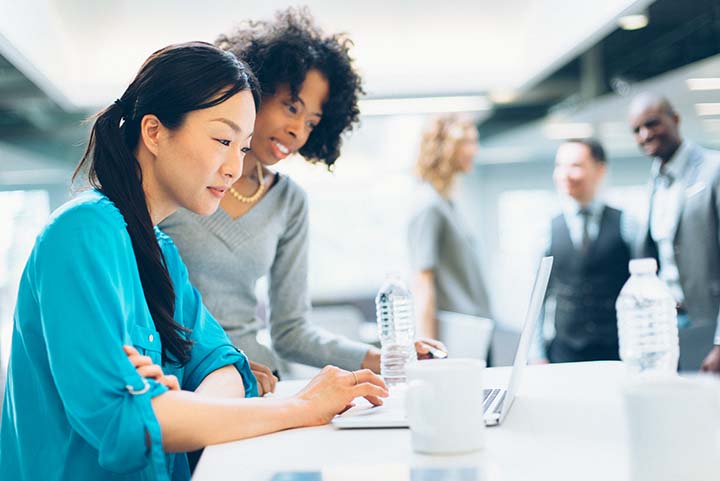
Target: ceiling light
(568, 130)
(712, 83)
(712, 125)
(503, 96)
(424, 105)
(708, 108)
(633, 22)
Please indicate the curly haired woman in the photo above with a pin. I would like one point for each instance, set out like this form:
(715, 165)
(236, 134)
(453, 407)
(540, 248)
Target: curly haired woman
(310, 97)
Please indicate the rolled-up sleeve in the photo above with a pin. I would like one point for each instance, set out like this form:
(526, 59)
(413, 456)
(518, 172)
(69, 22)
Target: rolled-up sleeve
(212, 348)
(83, 275)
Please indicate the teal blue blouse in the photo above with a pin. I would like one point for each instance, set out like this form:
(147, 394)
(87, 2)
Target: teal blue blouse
(75, 408)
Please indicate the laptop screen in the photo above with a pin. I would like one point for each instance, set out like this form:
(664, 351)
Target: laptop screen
(533, 311)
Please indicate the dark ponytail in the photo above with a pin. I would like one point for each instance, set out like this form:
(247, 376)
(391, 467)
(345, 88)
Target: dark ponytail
(172, 82)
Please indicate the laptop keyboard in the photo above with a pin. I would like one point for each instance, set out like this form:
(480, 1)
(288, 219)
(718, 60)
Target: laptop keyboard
(493, 398)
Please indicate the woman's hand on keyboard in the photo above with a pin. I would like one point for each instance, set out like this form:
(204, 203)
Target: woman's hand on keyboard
(333, 390)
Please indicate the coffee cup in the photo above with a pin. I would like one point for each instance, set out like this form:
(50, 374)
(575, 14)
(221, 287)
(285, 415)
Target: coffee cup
(444, 402)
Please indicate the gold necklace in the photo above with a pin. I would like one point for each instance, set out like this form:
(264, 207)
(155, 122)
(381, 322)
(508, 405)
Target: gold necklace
(258, 192)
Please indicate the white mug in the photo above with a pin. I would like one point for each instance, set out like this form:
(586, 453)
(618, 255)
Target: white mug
(673, 428)
(444, 403)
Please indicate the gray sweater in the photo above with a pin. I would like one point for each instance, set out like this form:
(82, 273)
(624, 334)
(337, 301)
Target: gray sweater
(226, 257)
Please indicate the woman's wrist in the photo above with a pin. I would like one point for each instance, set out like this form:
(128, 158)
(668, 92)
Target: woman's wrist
(295, 412)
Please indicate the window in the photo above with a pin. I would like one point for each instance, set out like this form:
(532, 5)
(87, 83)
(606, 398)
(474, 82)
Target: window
(359, 213)
(22, 215)
(524, 228)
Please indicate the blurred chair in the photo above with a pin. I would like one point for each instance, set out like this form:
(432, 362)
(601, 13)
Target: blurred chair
(465, 335)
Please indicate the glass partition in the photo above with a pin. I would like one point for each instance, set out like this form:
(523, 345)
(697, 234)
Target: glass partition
(22, 214)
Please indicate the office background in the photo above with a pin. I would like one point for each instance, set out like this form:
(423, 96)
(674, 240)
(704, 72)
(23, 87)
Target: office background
(531, 72)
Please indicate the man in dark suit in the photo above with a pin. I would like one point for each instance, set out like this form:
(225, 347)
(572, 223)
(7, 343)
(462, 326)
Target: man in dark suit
(591, 245)
(682, 229)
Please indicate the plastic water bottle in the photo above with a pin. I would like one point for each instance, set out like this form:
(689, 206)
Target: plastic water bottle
(396, 329)
(647, 321)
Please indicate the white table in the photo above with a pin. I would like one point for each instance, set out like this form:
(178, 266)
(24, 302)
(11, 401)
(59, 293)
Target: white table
(566, 424)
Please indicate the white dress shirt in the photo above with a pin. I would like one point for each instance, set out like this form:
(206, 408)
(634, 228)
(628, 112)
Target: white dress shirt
(570, 209)
(664, 215)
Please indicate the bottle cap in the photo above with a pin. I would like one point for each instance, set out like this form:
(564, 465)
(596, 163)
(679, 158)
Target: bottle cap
(393, 285)
(643, 266)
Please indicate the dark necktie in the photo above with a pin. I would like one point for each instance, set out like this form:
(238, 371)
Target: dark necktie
(585, 242)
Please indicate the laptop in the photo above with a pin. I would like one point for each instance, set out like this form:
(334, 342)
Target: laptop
(497, 402)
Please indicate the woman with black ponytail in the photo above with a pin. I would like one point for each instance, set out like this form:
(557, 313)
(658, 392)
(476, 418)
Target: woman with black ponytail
(115, 362)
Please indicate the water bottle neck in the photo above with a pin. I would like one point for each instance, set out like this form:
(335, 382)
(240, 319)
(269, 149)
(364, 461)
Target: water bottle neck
(643, 275)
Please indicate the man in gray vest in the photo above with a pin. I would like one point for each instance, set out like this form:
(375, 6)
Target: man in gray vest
(591, 243)
(682, 230)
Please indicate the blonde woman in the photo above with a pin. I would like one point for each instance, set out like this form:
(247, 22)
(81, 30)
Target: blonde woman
(442, 254)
